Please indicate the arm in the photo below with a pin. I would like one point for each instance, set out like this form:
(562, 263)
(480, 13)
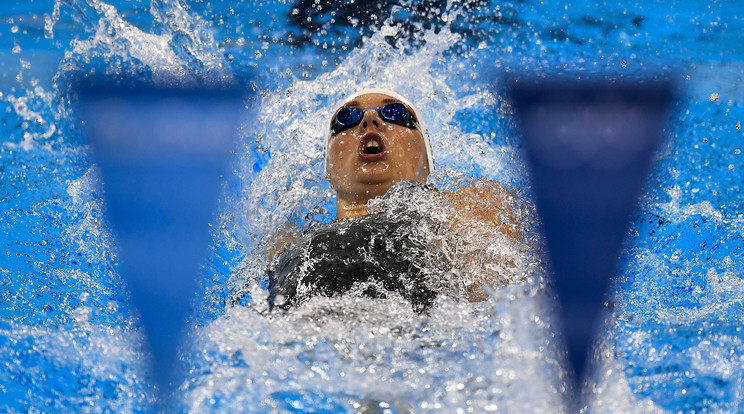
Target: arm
(484, 219)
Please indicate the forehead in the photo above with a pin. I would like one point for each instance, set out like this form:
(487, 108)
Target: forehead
(370, 99)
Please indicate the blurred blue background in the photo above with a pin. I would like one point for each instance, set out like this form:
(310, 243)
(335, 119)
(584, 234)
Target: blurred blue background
(673, 341)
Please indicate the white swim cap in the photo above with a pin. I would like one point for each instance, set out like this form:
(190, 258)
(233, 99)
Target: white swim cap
(392, 94)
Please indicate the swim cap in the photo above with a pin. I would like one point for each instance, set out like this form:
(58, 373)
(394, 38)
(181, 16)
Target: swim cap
(392, 94)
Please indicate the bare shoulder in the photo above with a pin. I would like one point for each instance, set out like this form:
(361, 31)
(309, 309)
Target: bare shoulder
(277, 241)
(488, 203)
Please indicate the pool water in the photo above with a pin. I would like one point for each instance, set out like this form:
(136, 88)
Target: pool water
(70, 341)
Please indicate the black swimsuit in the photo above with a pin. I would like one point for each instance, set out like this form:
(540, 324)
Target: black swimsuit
(372, 255)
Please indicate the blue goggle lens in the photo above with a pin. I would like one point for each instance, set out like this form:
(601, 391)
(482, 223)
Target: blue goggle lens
(349, 116)
(396, 113)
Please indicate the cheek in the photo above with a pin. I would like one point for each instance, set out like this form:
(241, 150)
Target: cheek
(337, 151)
(415, 151)
(340, 151)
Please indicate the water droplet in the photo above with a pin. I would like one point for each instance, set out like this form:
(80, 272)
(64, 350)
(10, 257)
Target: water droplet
(731, 167)
(14, 29)
(16, 49)
(738, 124)
(81, 314)
(714, 97)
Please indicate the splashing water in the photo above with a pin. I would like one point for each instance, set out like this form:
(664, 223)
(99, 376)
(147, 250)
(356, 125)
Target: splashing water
(339, 360)
(672, 341)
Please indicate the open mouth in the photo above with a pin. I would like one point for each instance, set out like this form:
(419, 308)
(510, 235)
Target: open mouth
(372, 147)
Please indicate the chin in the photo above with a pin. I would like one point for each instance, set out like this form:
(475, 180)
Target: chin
(373, 174)
(373, 189)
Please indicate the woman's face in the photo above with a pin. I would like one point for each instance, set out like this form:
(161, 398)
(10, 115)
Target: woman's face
(366, 159)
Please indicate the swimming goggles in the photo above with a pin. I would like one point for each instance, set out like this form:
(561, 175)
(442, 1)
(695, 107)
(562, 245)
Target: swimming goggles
(395, 113)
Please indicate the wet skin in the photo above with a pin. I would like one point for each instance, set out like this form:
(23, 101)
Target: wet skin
(358, 176)
(394, 153)
(366, 160)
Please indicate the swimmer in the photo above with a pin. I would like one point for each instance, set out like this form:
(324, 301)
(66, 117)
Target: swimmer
(377, 143)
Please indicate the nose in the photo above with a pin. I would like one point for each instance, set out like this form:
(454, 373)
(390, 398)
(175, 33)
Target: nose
(371, 119)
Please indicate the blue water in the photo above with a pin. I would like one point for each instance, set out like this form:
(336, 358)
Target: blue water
(673, 340)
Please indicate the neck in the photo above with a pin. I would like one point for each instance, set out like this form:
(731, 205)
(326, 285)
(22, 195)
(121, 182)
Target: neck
(345, 209)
